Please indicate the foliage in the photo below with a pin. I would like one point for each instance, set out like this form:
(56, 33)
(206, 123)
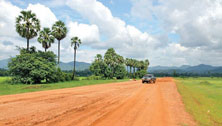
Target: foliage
(114, 65)
(46, 38)
(4, 72)
(111, 66)
(141, 73)
(75, 41)
(59, 31)
(33, 67)
(98, 66)
(202, 98)
(120, 72)
(93, 77)
(27, 25)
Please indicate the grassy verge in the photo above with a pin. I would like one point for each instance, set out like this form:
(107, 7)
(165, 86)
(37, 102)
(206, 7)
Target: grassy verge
(203, 99)
(6, 88)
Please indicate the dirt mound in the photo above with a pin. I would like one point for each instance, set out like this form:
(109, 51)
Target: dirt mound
(121, 104)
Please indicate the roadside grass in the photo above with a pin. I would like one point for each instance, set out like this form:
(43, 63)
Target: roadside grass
(6, 88)
(202, 98)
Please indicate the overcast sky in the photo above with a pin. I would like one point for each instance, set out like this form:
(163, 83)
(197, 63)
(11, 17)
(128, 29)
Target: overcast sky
(167, 32)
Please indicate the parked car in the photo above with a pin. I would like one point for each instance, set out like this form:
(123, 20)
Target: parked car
(149, 78)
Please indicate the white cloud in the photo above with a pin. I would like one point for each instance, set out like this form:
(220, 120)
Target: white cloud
(198, 23)
(89, 34)
(126, 39)
(8, 13)
(44, 14)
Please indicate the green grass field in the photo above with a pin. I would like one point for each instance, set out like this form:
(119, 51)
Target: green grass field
(6, 88)
(203, 99)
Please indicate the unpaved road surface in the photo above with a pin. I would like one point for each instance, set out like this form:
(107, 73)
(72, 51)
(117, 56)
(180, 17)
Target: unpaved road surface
(118, 104)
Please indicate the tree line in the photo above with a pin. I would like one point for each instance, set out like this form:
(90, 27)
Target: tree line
(112, 65)
(32, 66)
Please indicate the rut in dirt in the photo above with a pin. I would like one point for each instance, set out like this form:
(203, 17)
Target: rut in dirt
(118, 104)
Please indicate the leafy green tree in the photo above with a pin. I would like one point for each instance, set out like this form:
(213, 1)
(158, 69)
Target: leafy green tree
(46, 38)
(146, 63)
(120, 72)
(33, 67)
(59, 31)
(75, 42)
(98, 66)
(27, 25)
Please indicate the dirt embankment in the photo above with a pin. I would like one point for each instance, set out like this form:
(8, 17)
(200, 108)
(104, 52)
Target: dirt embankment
(118, 104)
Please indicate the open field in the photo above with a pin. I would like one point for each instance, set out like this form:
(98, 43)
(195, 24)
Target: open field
(6, 88)
(128, 103)
(203, 99)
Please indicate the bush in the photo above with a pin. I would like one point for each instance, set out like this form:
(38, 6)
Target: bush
(120, 72)
(141, 73)
(32, 67)
(93, 77)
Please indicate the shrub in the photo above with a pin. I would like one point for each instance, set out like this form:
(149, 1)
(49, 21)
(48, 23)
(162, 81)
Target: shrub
(141, 73)
(32, 67)
(93, 77)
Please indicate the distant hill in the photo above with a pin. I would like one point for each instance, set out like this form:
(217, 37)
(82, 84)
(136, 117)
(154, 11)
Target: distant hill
(199, 69)
(69, 65)
(63, 66)
(4, 63)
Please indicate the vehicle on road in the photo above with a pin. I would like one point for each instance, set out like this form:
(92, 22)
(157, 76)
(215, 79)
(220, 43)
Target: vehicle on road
(149, 78)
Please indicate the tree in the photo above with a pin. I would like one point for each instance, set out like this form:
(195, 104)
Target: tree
(59, 31)
(131, 66)
(146, 63)
(32, 67)
(75, 42)
(27, 25)
(127, 63)
(112, 59)
(46, 38)
(98, 66)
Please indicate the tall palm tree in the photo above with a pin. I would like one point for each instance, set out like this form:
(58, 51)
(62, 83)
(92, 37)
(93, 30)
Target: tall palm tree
(127, 64)
(147, 63)
(131, 66)
(59, 31)
(27, 25)
(46, 38)
(75, 42)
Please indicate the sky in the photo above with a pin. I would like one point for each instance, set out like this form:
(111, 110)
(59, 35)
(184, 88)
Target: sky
(167, 32)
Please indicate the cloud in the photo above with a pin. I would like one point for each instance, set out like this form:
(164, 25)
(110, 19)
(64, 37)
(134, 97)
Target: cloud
(9, 37)
(198, 23)
(126, 39)
(8, 13)
(44, 14)
(89, 34)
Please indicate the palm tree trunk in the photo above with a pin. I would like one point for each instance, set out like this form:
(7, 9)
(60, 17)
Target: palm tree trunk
(45, 49)
(27, 44)
(27, 36)
(58, 51)
(74, 69)
(130, 71)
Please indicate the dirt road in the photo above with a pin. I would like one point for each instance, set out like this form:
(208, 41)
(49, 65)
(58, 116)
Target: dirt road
(119, 104)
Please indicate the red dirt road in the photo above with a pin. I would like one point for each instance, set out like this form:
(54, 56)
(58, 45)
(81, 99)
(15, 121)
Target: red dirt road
(118, 104)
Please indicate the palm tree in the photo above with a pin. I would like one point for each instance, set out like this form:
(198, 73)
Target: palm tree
(75, 41)
(59, 31)
(46, 38)
(147, 63)
(27, 25)
(131, 65)
(127, 64)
